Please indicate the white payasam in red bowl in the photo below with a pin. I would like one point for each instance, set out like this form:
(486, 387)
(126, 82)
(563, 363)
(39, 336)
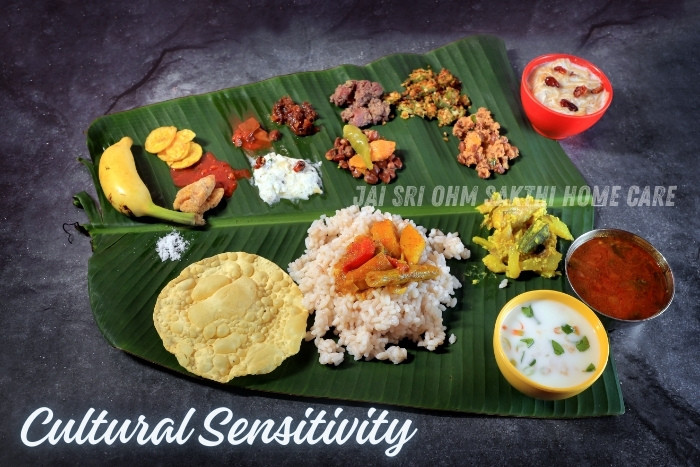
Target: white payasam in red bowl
(563, 95)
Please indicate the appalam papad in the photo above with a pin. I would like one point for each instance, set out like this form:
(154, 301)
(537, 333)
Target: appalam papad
(231, 315)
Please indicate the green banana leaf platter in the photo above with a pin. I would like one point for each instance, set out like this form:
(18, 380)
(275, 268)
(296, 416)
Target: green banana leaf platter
(125, 273)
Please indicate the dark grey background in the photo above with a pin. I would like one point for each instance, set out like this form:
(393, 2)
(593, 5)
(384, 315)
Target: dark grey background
(65, 63)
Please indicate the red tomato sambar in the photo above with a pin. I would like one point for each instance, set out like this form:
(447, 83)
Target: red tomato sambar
(620, 275)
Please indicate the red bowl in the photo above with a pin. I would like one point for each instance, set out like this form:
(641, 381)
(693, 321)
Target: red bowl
(552, 124)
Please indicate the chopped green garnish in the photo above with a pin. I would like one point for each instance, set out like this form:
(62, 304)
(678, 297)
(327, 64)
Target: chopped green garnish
(567, 329)
(529, 313)
(590, 368)
(533, 362)
(528, 341)
(558, 349)
(583, 344)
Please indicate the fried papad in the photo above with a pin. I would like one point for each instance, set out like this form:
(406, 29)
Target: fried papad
(231, 315)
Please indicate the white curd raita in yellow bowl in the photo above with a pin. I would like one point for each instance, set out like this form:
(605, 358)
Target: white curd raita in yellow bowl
(549, 345)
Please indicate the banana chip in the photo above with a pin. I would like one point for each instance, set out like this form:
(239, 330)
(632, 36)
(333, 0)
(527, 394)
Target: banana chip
(231, 315)
(160, 138)
(193, 155)
(179, 148)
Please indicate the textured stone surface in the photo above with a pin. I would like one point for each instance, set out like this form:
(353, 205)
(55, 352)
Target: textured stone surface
(65, 63)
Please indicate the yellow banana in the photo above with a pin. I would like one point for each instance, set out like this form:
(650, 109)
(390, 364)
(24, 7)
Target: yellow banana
(126, 191)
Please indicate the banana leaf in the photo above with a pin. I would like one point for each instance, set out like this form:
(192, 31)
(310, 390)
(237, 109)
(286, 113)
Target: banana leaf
(125, 274)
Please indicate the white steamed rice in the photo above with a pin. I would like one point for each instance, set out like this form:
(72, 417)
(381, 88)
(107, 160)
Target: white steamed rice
(372, 327)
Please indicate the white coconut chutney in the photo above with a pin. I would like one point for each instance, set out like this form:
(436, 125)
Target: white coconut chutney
(285, 177)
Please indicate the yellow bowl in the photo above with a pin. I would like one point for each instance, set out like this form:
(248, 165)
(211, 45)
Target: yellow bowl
(528, 386)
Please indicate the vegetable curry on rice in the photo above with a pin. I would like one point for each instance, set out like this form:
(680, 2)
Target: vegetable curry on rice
(383, 258)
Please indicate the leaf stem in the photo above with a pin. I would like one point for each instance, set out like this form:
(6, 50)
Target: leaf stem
(170, 215)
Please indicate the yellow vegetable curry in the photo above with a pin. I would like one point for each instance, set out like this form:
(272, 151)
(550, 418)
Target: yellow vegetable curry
(524, 237)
